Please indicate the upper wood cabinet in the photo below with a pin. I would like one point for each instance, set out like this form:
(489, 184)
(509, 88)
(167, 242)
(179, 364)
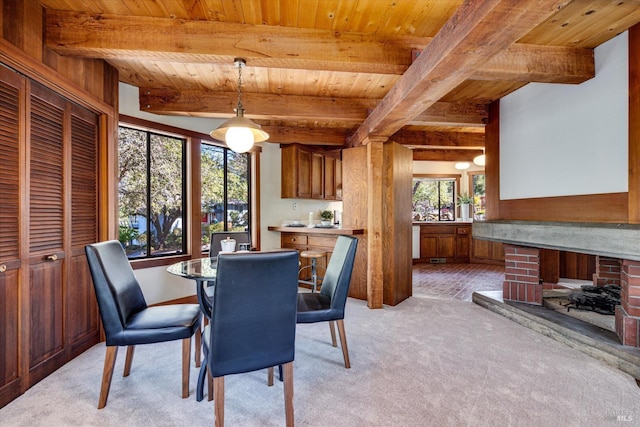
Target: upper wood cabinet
(310, 175)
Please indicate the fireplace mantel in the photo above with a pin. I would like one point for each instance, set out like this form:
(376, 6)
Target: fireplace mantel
(611, 240)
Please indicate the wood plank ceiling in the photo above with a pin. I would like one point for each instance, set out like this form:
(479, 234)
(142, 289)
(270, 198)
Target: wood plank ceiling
(339, 73)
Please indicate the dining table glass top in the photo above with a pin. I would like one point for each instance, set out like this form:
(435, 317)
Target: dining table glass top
(201, 268)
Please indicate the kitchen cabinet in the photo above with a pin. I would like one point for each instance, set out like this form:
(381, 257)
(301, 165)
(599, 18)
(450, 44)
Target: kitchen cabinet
(317, 176)
(444, 242)
(310, 175)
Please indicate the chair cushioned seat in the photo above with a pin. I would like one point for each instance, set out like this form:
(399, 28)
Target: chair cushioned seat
(158, 324)
(313, 307)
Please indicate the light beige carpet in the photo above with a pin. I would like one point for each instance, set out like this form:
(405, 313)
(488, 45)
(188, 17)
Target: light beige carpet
(425, 362)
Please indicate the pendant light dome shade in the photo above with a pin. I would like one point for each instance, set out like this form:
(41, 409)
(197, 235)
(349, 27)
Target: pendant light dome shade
(239, 133)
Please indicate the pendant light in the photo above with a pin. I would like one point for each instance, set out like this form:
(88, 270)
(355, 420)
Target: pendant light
(480, 160)
(239, 133)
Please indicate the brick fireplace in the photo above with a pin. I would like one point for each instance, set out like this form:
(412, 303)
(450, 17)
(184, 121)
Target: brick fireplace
(529, 248)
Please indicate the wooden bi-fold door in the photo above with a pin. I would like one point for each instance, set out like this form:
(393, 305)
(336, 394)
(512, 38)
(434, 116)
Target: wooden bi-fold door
(48, 180)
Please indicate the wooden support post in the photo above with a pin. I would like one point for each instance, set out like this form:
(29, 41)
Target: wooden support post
(375, 222)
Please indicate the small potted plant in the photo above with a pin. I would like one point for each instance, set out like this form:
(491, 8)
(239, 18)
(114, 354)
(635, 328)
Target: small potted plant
(326, 217)
(464, 201)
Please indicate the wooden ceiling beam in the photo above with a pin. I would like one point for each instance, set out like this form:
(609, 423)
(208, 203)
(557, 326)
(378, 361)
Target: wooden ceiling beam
(108, 36)
(417, 139)
(306, 136)
(350, 111)
(466, 42)
(444, 155)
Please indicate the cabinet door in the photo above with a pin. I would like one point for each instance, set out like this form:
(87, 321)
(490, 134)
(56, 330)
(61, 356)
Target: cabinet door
(338, 179)
(462, 246)
(82, 322)
(304, 174)
(317, 176)
(330, 178)
(46, 231)
(446, 246)
(295, 241)
(428, 246)
(12, 89)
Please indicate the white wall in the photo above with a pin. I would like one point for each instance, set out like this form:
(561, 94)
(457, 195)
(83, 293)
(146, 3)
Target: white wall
(558, 140)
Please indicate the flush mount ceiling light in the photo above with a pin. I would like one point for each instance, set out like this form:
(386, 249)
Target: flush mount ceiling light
(462, 165)
(239, 133)
(480, 160)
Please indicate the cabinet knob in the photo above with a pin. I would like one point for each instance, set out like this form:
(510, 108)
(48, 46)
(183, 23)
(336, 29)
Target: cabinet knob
(3, 268)
(53, 257)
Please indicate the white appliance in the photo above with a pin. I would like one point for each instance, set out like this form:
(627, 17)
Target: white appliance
(415, 241)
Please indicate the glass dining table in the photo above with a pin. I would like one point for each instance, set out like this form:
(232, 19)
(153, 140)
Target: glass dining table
(203, 272)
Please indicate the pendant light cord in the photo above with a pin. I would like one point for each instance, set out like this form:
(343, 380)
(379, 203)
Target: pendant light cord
(239, 64)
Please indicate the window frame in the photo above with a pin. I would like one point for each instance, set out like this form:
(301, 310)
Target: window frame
(442, 177)
(471, 176)
(194, 141)
(150, 133)
(225, 184)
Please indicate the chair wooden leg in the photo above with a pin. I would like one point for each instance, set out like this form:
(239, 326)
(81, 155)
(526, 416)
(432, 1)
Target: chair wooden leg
(288, 393)
(333, 333)
(343, 343)
(270, 376)
(107, 374)
(218, 390)
(198, 348)
(128, 360)
(186, 360)
(209, 386)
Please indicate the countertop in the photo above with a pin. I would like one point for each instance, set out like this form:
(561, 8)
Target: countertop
(316, 230)
(442, 222)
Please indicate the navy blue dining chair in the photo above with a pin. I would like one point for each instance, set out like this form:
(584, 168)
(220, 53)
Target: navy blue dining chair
(328, 304)
(253, 321)
(126, 318)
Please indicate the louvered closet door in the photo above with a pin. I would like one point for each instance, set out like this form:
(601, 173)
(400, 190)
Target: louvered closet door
(46, 224)
(83, 328)
(12, 89)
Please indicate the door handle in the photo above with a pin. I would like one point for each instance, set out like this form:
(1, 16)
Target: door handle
(53, 257)
(3, 268)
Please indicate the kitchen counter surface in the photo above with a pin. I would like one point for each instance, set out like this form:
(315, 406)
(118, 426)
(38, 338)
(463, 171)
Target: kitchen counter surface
(317, 230)
(442, 222)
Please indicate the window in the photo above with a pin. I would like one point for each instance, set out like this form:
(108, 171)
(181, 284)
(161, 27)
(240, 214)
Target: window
(225, 177)
(434, 198)
(151, 193)
(476, 184)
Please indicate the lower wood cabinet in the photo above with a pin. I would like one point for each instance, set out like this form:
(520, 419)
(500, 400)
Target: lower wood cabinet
(444, 243)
